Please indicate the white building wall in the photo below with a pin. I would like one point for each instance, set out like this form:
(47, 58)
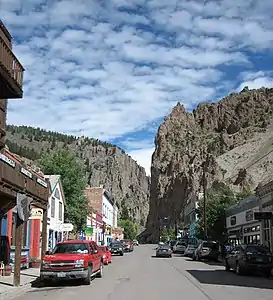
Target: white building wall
(107, 211)
(55, 216)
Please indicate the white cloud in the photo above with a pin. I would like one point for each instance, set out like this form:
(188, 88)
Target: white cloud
(100, 69)
(255, 80)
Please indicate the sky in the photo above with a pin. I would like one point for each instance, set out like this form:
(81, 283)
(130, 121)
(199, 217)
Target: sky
(113, 69)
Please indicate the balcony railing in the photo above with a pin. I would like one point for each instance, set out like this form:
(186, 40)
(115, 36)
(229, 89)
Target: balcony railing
(11, 73)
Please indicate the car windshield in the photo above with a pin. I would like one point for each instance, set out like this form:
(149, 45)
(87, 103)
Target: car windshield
(257, 249)
(115, 244)
(210, 245)
(80, 248)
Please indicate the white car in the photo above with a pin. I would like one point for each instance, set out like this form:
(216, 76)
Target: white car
(179, 247)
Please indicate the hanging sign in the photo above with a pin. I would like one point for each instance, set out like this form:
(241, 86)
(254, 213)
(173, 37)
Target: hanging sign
(41, 182)
(23, 206)
(36, 214)
(7, 160)
(26, 172)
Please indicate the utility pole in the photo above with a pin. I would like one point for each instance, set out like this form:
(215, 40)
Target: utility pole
(205, 200)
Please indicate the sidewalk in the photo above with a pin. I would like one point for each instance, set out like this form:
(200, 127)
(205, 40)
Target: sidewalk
(7, 290)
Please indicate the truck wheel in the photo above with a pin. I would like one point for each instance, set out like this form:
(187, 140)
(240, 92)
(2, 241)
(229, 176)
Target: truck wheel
(100, 273)
(121, 254)
(87, 280)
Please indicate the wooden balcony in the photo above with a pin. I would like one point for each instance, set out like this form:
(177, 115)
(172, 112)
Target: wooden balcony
(14, 178)
(11, 71)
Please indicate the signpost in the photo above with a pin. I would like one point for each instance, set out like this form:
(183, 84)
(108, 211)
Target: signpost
(263, 215)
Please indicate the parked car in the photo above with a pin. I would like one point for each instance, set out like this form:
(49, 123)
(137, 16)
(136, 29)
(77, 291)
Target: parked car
(106, 255)
(128, 245)
(116, 248)
(189, 252)
(250, 258)
(73, 259)
(209, 250)
(179, 247)
(164, 251)
(135, 242)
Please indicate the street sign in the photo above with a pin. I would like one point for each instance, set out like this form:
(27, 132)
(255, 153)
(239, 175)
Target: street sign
(263, 215)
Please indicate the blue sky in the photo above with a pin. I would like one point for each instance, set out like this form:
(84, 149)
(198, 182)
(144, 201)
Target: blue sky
(113, 69)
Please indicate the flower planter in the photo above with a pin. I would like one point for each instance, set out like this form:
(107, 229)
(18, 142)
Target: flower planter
(7, 270)
(35, 264)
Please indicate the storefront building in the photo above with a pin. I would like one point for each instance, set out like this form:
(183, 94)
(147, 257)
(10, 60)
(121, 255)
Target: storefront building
(264, 192)
(240, 224)
(106, 212)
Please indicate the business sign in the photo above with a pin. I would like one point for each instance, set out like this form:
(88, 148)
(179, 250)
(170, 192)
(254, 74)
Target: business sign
(7, 160)
(36, 214)
(41, 182)
(263, 215)
(67, 227)
(26, 172)
(89, 231)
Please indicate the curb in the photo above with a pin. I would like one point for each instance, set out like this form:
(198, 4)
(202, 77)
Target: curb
(15, 292)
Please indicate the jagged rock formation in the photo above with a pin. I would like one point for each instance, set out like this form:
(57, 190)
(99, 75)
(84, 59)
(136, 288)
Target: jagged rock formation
(230, 137)
(106, 165)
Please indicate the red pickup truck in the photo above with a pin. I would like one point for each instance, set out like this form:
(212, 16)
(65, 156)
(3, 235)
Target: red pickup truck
(71, 260)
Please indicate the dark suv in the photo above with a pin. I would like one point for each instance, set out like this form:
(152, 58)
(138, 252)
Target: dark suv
(249, 258)
(209, 250)
(116, 248)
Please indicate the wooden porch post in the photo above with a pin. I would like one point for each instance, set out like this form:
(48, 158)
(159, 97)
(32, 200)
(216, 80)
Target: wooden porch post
(18, 249)
(44, 234)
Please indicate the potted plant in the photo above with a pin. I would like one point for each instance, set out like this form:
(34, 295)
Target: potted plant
(7, 270)
(35, 262)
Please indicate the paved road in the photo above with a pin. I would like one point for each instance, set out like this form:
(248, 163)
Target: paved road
(138, 275)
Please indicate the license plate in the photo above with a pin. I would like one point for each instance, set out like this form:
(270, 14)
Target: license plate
(164, 250)
(61, 275)
(115, 251)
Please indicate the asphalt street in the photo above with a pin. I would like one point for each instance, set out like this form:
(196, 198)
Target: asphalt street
(139, 275)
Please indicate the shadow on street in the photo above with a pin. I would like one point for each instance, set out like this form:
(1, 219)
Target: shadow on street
(56, 285)
(221, 277)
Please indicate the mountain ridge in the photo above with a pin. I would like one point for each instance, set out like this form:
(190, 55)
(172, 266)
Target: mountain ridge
(106, 165)
(226, 137)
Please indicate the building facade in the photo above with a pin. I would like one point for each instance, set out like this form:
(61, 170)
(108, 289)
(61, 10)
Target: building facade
(21, 187)
(264, 192)
(190, 215)
(55, 213)
(103, 206)
(240, 223)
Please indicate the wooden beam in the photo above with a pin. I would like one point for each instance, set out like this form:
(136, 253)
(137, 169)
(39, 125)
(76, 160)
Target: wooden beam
(44, 234)
(18, 249)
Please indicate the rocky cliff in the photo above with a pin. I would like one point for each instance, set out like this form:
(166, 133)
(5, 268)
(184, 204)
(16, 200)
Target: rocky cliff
(231, 140)
(106, 165)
